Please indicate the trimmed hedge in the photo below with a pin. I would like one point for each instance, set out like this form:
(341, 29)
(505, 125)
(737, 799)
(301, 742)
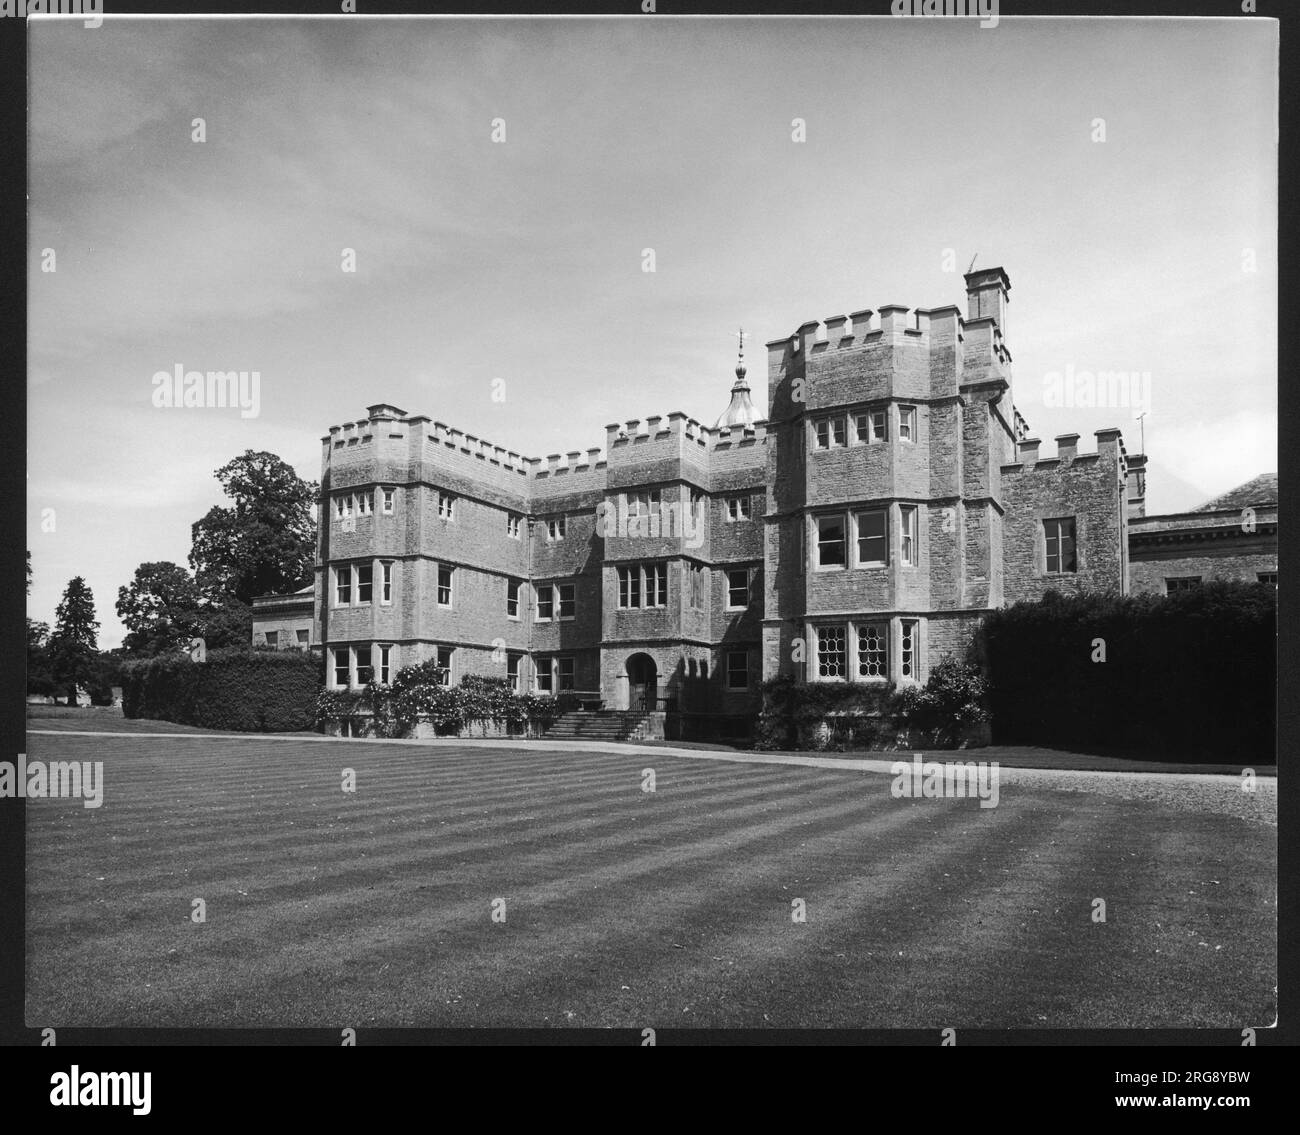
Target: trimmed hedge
(1192, 676)
(236, 688)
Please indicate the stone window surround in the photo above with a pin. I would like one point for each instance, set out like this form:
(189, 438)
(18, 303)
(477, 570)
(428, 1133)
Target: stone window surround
(894, 630)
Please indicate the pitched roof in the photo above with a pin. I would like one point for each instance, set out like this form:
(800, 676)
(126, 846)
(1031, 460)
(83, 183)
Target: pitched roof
(1259, 490)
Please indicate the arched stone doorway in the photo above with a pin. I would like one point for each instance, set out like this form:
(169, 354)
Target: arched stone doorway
(642, 683)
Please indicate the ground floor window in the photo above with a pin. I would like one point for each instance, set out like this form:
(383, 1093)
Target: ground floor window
(446, 658)
(737, 670)
(1181, 583)
(866, 649)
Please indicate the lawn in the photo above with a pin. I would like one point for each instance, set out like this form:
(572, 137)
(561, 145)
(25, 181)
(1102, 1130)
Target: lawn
(622, 907)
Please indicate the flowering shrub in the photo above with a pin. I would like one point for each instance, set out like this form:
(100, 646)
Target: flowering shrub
(417, 694)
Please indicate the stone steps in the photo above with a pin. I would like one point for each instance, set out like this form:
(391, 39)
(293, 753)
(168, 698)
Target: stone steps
(601, 725)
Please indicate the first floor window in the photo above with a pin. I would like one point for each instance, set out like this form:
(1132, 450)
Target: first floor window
(365, 582)
(385, 663)
(545, 602)
(873, 654)
(512, 598)
(272, 638)
(555, 528)
(386, 581)
(873, 539)
(738, 588)
(446, 506)
(737, 670)
(643, 502)
(444, 585)
(830, 651)
(1182, 583)
(365, 672)
(739, 508)
(568, 602)
(907, 423)
(342, 676)
(564, 667)
(444, 657)
(873, 426)
(907, 652)
(512, 525)
(830, 541)
(831, 432)
(342, 586)
(1059, 536)
(907, 515)
(643, 585)
(364, 502)
(544, 675)
(389, 494)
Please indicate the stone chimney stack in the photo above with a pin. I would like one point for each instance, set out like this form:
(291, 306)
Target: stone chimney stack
(986, 296)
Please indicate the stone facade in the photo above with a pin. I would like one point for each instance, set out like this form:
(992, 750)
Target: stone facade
(891, 497)
(284, 621)
(1233, 536)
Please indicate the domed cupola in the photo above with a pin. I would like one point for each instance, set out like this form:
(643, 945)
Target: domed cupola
(740, 411)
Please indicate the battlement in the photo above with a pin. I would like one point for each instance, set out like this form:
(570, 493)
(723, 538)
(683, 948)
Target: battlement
(1110, 443)
(679, 429)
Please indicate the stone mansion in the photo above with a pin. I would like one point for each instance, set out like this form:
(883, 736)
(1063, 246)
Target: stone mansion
(890, 496)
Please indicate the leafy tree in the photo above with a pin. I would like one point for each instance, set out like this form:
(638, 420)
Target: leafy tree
(161, 609)
(266, 541)
(74, 646)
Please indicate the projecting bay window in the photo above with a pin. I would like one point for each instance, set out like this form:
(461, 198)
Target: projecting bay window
(1060, 547)
(365, 582)
(386, 582)
(642, 585)
(355, 666)
(866, 648)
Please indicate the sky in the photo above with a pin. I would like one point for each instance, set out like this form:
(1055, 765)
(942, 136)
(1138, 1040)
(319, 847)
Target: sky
(499, 284)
